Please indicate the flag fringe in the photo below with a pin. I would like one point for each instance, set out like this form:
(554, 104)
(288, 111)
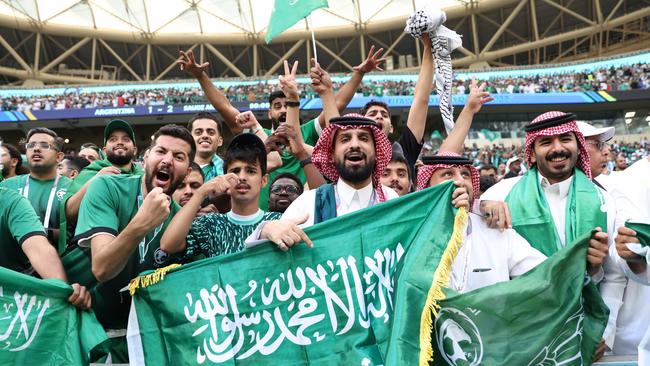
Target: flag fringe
(151, 278)
(440, 281)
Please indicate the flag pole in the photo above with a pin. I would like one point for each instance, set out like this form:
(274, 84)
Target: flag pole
(313, 37)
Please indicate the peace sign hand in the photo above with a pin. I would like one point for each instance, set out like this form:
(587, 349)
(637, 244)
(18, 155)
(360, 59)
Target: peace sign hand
(288, 81)
(477, 97)
(371, 62)
(188, 64)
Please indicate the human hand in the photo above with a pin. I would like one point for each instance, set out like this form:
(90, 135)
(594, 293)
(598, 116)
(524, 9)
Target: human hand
(477, 97)
(247, 120)
(219, 185)
(597, 252)
(207, 210)
(600, 351)
(288, 82)
(496, 214)
(371, 62)
(320, 79)
(188, 64)
(460, 196)
(154, 209)
(80, 297)
(286, 233)
(109, 170)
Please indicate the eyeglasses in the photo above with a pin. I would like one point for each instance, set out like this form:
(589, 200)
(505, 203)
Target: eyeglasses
(289, 189)
(41, 145)
(600, 145)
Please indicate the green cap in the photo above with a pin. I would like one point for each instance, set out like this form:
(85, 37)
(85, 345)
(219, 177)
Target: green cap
(118, 124)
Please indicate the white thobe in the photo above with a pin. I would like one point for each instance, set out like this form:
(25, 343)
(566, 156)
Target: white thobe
(489, 256)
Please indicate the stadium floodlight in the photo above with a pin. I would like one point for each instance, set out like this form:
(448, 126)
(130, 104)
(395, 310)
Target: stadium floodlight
(628, 120)
(629, 114)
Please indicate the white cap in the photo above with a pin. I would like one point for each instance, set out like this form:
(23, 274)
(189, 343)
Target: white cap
(587, 130)
(512, 160)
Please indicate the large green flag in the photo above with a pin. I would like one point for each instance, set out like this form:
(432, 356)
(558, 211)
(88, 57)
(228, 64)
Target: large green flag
(361, 296)
(286, 13)
(39, 327)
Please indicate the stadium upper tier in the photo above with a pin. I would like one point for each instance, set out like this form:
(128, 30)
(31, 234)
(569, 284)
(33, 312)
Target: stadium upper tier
(625, 73)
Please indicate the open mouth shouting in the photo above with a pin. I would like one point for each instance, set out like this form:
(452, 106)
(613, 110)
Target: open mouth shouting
(355, 158)
(162, 178)
(36, 158)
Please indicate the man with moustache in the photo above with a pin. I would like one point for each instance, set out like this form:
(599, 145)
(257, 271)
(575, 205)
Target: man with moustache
(216, 234)
(10, 161)
(284, 190)
(122, 219)
(120, 150)
(397, 174)
(43, 187)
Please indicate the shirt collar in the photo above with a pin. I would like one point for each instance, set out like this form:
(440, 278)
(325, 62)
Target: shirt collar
(346, 192)
(560, 188)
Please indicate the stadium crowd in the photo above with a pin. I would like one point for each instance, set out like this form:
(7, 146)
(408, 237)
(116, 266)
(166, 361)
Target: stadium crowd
(192, 198)
(622, 78)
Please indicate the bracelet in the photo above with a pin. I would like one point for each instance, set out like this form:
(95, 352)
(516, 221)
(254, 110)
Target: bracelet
(293, 103)
(305, 162)
(254, 132)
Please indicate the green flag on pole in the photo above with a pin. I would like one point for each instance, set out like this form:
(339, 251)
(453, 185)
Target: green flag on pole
(286, 13)
(363, 295)
(39, 327)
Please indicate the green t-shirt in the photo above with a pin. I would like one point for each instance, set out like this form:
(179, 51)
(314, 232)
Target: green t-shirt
(217, 234)
(39, 193)
(18, 222)
(110, 203)
(289, 163)
(88, 173)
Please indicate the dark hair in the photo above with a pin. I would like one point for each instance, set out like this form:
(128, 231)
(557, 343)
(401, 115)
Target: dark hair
(399, 158)
(487, 167)
(485, 182)
(374, 103)
(204, 115)
(179, 132)
(275, 95)
(14, 154)
(246, 154)
(291, 176)
(76, 162)
(196, 168)
(58, 142)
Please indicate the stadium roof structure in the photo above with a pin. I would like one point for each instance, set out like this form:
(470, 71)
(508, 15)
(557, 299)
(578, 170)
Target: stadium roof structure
(100, 41)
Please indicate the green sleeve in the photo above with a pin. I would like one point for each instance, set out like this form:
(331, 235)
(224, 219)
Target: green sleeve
(21, 219)
(98, 211)
(309, 134)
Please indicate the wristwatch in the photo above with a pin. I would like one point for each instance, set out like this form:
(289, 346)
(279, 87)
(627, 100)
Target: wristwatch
(305, 162)
(293, 103)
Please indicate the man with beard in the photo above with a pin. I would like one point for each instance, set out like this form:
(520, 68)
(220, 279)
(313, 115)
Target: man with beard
(120, 150)
(513, 167)
(122, 219)
(621, 163)
(397, 174)
(10, 161)
(43, 187)
(284, 190)
(216, 234)
(488, 255)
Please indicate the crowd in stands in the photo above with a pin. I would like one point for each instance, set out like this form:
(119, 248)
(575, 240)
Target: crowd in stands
(622, 78)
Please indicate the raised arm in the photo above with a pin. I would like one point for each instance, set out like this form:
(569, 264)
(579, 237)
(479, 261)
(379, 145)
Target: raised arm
(247, 120)
(347, 91)
(417, 118)
(322, 84)
(218, 100)
(455, 142)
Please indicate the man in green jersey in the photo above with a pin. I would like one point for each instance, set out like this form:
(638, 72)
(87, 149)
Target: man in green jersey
(122, 219)
(24, 246)
(216, 234)
(43, 187)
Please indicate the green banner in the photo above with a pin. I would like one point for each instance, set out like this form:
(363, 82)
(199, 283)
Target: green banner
(286, 13)
(358, 297)
(39, 327)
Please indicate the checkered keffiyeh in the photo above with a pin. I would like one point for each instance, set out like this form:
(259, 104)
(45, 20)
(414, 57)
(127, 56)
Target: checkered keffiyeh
(323, 154)
(569, 126)
(426, 172)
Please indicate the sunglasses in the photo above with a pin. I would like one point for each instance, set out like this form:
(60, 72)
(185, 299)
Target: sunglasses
(289, 189)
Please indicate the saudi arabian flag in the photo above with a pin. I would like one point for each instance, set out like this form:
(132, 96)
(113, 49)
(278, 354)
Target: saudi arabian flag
(363, 295)
(39, 327)
(286, 13)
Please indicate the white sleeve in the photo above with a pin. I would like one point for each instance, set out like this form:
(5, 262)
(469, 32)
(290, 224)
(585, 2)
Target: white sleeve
(303, 205)
(612, 289)
(521, 257)
(500, 191)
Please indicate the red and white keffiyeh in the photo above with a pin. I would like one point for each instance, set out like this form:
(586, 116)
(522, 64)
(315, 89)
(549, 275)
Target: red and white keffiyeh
(426, 171)
(569, 125)
(323, 154)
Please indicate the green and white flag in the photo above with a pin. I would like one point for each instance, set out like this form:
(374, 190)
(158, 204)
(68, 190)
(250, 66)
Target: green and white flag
(286, 13)
(361, 296)
(39, 327)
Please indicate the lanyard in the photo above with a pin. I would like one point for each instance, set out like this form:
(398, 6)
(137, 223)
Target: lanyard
(48, 210)
(143, 247)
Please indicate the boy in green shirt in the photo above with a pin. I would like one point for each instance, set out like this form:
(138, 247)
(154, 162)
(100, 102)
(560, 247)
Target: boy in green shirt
(122, 219)
(43, 187)
(215, 234)
(24, 246)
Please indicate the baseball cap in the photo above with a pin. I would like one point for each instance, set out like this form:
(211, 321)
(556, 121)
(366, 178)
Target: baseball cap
(118, 124)
(604, 134)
